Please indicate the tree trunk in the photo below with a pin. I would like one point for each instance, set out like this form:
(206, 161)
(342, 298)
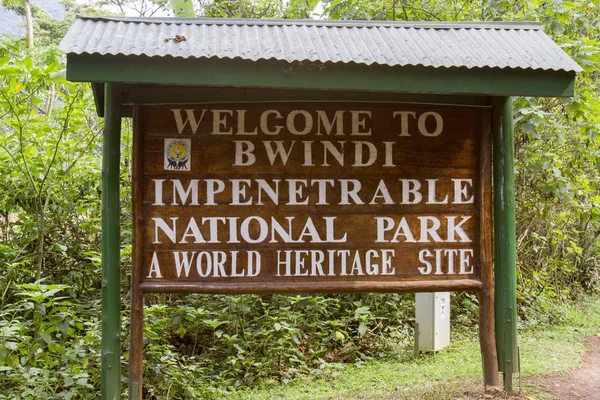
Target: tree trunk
(40, 246)
(182, 8)
(28, 23)
(50, 101)
(41, 216)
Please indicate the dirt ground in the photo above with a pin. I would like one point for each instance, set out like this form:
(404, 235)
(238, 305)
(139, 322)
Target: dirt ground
(580, 384)
(583, 383)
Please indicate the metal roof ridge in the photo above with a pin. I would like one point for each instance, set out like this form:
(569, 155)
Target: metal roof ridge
(522, 25)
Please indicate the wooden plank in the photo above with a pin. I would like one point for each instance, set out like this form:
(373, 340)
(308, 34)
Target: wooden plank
(270, 229)
(258, 288)
(155, 94)
(294, 264)
(487, 336)
(320, 191)
(136, 342)
(399, 208)
(168, 94)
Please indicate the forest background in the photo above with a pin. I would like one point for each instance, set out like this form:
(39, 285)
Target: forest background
(205, 347)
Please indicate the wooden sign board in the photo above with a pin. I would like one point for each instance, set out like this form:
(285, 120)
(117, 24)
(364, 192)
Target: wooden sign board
(311, 197)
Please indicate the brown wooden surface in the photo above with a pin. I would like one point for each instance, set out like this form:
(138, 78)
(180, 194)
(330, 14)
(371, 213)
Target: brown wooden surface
(308, 287)
(154, 94)
(369, 184)
(136, 342)
(487, 336)
(455, 154)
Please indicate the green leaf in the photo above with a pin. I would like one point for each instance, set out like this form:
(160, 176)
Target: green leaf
(11, 345)
(362, 329)
(52, 292)
(45, 337)
(82, 381)
(361, 311)
(28, 62)
(10, 71)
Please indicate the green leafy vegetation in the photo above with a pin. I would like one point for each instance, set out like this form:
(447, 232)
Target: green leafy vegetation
(239, 341)
(286, 346)
(446, 374)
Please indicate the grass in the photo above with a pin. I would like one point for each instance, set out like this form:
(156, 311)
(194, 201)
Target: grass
(548, 349)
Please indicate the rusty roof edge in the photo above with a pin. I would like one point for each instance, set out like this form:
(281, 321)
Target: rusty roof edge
(519, 25)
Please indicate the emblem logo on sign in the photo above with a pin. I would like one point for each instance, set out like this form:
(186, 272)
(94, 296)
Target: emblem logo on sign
(177, 154)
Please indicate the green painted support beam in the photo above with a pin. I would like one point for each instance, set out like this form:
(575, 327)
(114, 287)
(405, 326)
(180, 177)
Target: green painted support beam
(275, 74)
(505, 251)
(111, 247)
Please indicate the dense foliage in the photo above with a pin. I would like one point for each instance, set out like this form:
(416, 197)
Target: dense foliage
(205, 346)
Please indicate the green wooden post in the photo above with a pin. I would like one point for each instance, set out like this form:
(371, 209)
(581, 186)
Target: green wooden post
(111, 247)
(505, 250)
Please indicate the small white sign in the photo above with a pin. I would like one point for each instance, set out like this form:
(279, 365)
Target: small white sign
(178, 154)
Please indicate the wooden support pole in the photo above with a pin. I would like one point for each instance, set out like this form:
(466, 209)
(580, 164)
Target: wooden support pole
(487, 337)
(136, 345)
(111, 247)
(505, 240)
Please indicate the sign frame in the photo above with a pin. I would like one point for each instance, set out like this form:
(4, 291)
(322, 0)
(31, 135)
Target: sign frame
(485, 230)
(482, 204)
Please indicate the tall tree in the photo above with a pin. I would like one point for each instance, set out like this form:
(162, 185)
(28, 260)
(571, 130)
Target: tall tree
(28, 23)
(23, 8)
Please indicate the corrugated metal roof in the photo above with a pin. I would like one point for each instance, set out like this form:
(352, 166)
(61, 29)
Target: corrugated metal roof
(467, 45)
